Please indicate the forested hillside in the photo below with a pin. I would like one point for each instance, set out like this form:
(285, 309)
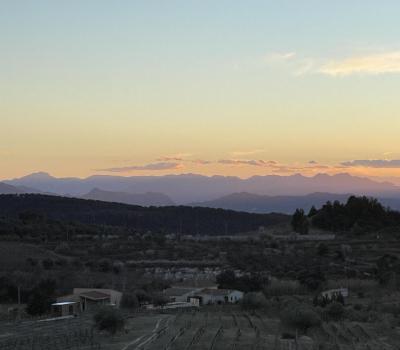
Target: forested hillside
(172, 219)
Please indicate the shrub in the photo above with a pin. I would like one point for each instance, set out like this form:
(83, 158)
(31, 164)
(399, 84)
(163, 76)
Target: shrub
(287, 335)
(41, 297)
(322, 249)
(300, 317)
(159, 300)
(129, 301)
(109, 319)
(143, 296)
(62, 248)
(335, 311)
(105, 265)
(254, 301)
(47, 263)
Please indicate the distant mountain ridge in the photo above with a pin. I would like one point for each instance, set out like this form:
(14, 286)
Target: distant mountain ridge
(142, 199)
(253, 203)
(9, 189)
(189, 188)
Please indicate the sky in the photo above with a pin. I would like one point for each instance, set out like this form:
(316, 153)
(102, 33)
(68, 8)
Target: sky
(211, 87)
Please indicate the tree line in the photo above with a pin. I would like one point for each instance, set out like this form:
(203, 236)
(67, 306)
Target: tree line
(358, 215)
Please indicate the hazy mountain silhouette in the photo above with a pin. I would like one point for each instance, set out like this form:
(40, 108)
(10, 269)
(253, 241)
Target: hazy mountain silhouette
(142, 199)
(265, 204)
(9, 189)
(188, 188)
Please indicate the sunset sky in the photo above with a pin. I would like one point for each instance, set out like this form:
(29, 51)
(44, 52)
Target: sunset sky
(209, 87)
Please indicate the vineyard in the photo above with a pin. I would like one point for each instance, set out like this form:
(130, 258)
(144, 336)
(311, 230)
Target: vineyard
(207, 329)
(72, 333)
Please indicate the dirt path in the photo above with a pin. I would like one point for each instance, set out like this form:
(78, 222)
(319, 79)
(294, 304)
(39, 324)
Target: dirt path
(150, 337)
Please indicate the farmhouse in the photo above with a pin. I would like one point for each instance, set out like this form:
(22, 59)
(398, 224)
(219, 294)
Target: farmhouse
(219, 296)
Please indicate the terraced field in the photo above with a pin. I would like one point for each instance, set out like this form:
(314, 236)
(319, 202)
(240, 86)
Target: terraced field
(196, 330)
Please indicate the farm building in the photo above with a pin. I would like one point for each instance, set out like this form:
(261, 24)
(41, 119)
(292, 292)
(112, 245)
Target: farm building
(65, 308)
(114, 296)
(181, 294)
(84, 299)
(93, 299)
(219, 296)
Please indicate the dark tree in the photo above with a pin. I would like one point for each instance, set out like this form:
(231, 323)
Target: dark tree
(300, 222)
(109, 319)
(41, 297)
(312, 212)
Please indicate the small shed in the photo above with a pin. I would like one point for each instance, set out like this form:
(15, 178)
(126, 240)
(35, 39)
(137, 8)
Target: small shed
(65, 308)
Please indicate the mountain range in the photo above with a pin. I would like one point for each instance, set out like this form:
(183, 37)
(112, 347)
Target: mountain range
(254, 203)
(143, 199)
(255, 194)
(9, 189)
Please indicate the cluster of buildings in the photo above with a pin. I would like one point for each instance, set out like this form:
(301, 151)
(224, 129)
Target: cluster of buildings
(86, 299)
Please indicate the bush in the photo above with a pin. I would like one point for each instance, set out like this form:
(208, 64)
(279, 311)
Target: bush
(105, 265)
(47, 263)
(62, 248)
(129, 301)
(143, 296)
(300, 317)
(254, 301)
(159, 300)
(41, 297)
(109, 319)
(335, 311)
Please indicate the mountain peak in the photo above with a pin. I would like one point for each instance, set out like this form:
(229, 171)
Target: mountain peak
(40, 175)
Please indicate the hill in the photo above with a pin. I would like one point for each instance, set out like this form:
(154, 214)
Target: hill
(9, 189)
(189, 188)
(170, 219)
(142, 199)
(254, 203)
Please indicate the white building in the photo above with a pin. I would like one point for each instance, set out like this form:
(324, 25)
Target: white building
(219, 296)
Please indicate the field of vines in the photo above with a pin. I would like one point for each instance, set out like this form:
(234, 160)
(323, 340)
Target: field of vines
(73, 333)
(223, 329)
(220, 330)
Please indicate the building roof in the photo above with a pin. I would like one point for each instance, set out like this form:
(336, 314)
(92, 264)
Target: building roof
(64, 303)
(94, 295)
